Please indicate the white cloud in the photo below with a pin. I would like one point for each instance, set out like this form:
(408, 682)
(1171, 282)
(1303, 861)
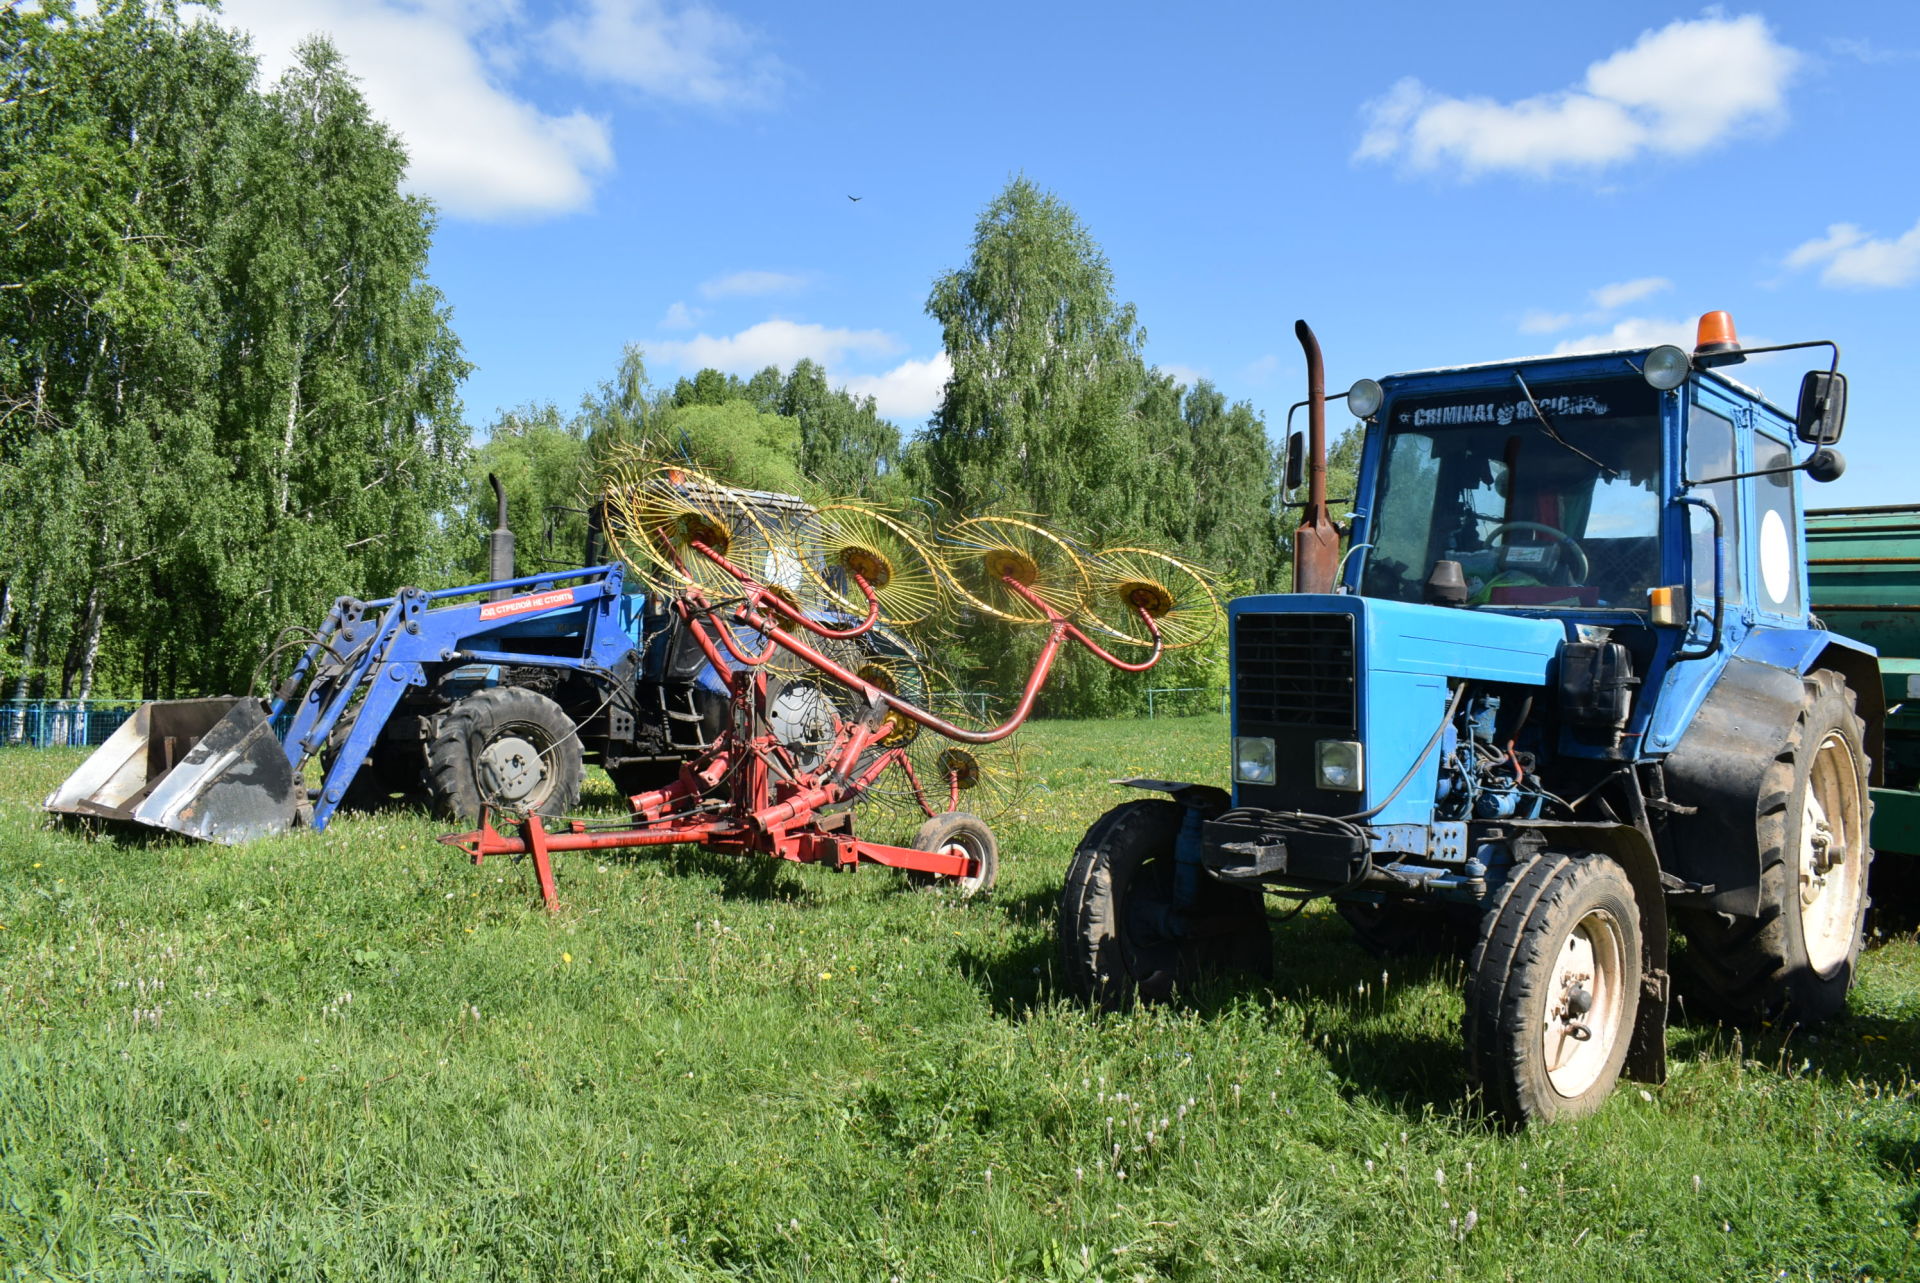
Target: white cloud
(1868, 52)
(1634, 331)
(687, 52)
(474, 147)
(749, 284)
(1676, 91)
(1263, 368)
(1854, 260)
(1184, 374)
(1539, 321)
(908, 393)
(680, 317)
(1608, 297)
(773, 342)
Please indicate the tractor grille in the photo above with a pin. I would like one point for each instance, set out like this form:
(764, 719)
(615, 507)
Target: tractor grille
(1295, 670)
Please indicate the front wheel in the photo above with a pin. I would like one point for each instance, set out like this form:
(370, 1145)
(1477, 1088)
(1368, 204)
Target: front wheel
(1123, 933)
(1553, 989)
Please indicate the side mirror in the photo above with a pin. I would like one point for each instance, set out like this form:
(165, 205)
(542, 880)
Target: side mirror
(1823, 407)
(1296, 469)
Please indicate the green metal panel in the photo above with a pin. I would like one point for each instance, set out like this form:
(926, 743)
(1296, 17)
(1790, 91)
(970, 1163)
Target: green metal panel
(1864, 568)
(1896, 822)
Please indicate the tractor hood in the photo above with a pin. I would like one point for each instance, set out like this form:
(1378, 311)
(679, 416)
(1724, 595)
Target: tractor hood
(1309, 667)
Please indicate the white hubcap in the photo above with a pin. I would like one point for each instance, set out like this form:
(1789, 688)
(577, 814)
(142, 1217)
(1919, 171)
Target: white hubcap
(1584, 1001)
(1832, 865)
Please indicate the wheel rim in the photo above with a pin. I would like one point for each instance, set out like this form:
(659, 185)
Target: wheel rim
(514, 770)
(1832, 864)
(969, 885)
(1578, 1044)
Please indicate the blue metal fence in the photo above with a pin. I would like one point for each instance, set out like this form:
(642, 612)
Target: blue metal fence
(54, 723)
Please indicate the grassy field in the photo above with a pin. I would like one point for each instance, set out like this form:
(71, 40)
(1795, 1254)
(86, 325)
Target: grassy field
(354, 1056)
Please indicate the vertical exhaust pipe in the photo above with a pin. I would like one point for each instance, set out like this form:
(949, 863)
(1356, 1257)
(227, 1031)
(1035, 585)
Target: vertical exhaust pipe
(500, 542)
(1316, 542)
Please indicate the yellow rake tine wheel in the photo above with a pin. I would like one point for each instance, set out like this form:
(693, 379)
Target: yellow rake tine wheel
(672, 509)
(1126, 581)
(852, 538)
(986, 551)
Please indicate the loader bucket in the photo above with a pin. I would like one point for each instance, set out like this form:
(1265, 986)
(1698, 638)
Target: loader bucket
(208, 768)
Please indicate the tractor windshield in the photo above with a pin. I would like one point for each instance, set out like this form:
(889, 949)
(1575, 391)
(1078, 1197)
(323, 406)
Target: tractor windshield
(1563, 515)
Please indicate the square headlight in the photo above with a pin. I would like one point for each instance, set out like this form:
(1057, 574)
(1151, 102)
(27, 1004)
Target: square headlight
(1339, 765)
(1253, 759)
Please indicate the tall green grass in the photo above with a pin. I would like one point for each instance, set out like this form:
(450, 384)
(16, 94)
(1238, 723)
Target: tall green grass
(352, 1055)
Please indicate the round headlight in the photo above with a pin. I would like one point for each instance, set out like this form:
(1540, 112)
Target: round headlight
(1667, 367)
(1364, 398)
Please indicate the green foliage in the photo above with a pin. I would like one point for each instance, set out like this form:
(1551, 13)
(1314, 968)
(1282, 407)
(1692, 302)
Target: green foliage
(354, 1055)
(226, 392)
(736, 442)
(539, 460)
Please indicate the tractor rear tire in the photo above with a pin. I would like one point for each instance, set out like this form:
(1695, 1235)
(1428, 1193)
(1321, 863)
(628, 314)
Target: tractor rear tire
(506, 749)
(957, 833)
(1115, 946)
(1553, 988)
(1795, 960)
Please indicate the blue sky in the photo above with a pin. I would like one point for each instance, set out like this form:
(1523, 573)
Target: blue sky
(1424, 187)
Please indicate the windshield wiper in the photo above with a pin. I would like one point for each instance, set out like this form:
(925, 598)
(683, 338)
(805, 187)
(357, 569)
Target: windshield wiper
(1547, 427)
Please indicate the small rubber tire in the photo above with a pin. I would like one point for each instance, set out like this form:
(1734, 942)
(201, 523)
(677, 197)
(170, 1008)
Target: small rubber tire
(1563, 925)
(957, 833)
(1796, 959)
(484, 719)
(1114, 950)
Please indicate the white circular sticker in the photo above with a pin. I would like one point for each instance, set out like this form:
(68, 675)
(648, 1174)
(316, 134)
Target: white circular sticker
(1776, 557)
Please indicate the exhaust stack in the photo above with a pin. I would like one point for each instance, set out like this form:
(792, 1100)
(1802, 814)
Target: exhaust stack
(500, 542)
(1316, 542)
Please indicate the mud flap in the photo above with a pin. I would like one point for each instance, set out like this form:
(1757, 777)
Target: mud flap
(209, 768)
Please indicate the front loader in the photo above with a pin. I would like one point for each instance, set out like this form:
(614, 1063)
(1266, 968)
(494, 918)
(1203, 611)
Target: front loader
(490, 695)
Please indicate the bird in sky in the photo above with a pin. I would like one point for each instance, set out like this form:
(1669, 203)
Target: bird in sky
(856, 198)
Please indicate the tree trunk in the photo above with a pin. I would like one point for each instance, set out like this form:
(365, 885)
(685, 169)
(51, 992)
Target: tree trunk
(30, 627)
(286, 453)
(96, 621)
(81, 653)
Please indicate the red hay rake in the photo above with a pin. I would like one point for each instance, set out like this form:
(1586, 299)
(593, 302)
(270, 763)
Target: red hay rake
(754, 792)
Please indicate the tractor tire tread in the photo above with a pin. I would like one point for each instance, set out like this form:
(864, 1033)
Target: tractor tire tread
(1749, 970)
(451, 771)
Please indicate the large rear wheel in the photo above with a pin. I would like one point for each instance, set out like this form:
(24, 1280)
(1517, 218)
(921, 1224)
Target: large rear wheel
(1796, 958)
(505, 749)
(1123, 935)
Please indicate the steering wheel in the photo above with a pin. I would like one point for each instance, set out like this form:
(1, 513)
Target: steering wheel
(1577, 565)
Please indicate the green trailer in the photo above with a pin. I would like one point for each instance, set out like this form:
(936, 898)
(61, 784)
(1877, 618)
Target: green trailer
(1863, 565)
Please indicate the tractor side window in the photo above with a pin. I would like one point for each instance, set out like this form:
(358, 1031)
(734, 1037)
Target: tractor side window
(1710, 454)
(1773, 530)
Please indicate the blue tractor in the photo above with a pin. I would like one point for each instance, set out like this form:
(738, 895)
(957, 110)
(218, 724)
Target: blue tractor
(492, 695)
(1560, 696)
